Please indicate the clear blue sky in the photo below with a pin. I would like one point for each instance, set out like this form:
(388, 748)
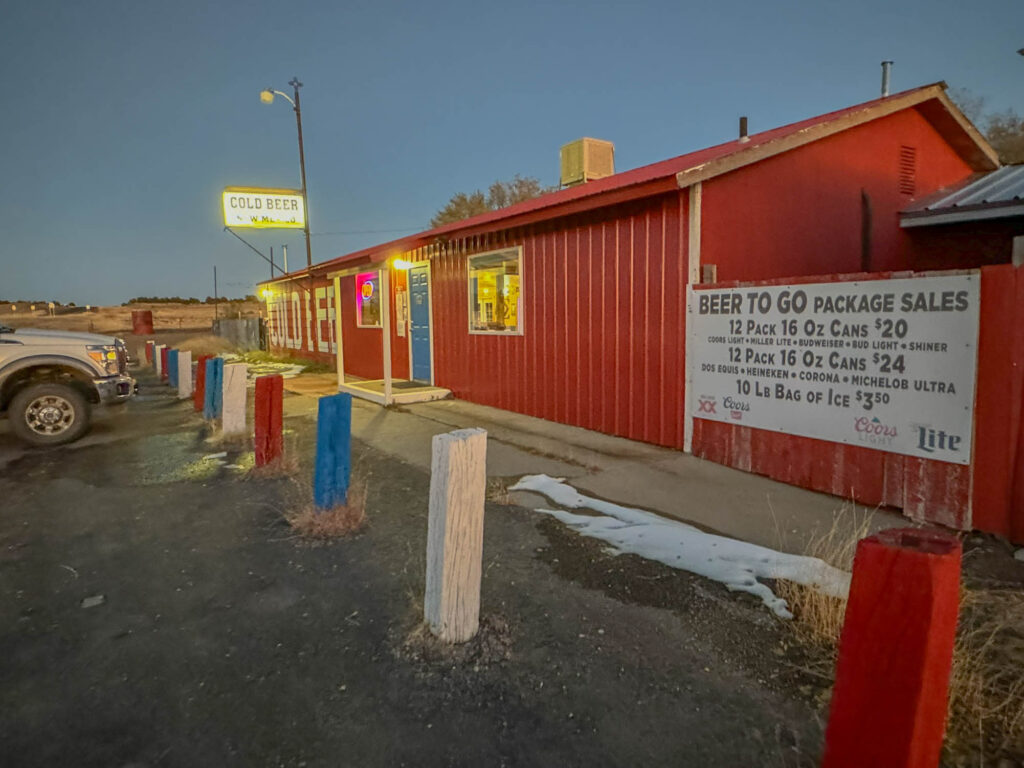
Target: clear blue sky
(122, 121)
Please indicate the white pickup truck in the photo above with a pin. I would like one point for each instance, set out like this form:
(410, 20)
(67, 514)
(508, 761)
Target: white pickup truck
(49, 381)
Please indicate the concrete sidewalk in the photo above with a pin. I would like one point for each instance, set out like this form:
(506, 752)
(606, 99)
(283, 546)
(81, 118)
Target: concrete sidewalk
(705, 494)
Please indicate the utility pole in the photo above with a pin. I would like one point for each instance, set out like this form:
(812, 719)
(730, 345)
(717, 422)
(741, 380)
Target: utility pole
(215, 308)
(271, 262)
(295, 84)
(284, 250)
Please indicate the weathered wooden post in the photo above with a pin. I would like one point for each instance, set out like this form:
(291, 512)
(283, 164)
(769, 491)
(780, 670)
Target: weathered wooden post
(892, 677)
(214, 378)
(233, 399)
(158, 358)
(267, 418)
(165, 353)
(333, 451)
(172, 367)
(184, 374)
(455, 534)
(149, 351)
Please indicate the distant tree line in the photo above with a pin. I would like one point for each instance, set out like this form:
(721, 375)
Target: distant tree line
(190, 300)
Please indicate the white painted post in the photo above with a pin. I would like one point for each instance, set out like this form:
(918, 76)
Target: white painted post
(385, 311)
(156, 359)
(455, 534)
(692, 278)
(184, 374)
(233, 414)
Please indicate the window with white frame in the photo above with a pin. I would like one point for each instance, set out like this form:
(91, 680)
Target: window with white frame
(368, 300)
(495, 295)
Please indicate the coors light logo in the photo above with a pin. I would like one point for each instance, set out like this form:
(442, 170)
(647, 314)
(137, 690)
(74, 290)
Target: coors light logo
(874, 431)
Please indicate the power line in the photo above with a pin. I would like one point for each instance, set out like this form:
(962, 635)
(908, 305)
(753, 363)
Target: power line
(370, 231)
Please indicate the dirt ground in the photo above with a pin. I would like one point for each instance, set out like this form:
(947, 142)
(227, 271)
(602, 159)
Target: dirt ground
(223, 640)
(118, 320)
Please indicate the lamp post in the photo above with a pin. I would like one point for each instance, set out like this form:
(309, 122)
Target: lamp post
(267, 97)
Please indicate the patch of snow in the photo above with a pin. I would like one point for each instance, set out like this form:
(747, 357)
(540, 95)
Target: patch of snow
(211, 456)
(736, 564)
(1019, 555)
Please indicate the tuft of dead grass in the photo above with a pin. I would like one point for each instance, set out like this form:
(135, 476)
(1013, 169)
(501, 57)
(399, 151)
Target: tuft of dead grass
(339, 522)
(286, 466)
(986, 690)
(986, 687)
(497, 491)
(819, 617)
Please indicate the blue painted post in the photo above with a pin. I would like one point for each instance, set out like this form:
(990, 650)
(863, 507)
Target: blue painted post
(333, 451)
(172, 367)
(218, 389)
(213, 400)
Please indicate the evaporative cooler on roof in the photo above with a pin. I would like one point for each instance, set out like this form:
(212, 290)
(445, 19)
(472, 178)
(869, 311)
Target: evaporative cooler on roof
(586, 159)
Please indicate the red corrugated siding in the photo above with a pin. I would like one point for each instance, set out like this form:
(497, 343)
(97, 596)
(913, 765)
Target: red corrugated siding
(999, 472)
(361, 346)
(602, 346)
(799, 213)
(986, 495)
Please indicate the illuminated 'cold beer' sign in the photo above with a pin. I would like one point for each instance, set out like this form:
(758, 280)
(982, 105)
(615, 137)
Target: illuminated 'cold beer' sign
(263, 208)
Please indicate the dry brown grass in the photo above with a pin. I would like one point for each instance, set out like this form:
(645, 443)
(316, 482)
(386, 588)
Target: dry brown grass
(986, 689)
(497, 491)
(986, 692)
(343, 520)
(207, 344)
(117, 320)
(819, 617)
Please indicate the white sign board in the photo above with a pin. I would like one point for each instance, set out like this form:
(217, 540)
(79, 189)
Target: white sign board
(885, 364)
(263, 208)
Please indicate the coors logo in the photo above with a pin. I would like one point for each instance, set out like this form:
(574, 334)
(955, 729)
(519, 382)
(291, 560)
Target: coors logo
(874, 431)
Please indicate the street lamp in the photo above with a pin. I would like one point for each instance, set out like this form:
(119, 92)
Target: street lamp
(267, 97)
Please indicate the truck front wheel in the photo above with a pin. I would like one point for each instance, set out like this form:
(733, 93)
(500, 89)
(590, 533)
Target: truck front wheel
(49, 413)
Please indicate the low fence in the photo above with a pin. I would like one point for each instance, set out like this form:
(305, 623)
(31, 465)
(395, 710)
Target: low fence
(242, 332)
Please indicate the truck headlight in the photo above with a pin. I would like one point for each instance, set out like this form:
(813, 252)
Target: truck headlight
(105, 358)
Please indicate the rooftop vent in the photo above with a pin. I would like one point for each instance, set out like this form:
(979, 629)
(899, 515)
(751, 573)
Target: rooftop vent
(586, 159)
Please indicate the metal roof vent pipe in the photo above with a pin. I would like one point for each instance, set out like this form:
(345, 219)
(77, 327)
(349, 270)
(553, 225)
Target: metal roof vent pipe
(743, 129)
(886, 72)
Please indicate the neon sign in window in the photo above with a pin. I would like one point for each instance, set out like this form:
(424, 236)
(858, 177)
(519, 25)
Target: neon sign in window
(368, 300)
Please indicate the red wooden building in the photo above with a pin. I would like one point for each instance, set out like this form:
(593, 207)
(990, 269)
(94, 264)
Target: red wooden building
(572, 306)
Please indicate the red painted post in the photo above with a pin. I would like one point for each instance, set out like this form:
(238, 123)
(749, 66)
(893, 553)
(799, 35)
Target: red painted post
(149, 351)
(199, 393)
(269, 435)
(163, 362)
(892, 676)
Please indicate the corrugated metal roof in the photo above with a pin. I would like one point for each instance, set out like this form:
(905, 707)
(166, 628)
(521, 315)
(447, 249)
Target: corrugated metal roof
(1005, 185)
(987, 196)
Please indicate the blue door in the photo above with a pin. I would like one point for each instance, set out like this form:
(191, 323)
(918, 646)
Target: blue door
(419, 322)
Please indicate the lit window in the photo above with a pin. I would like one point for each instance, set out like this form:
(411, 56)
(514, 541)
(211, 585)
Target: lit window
(495, 300)
(368, 300)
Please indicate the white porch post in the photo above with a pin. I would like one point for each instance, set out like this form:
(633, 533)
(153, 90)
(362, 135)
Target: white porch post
(385, 303)
(692, 278)
(340, 354)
